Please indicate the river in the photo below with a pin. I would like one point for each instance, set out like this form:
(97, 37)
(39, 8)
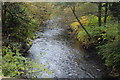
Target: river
(63, 54)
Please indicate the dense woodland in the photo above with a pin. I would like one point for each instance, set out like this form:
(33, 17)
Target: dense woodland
(94, 25)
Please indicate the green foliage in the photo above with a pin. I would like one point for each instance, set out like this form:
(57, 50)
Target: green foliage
(111, 53)
(15, 65)
(106, 39)
(110, 50)
(93, 20)
(83, 9)
(22, 20)
(115, 10)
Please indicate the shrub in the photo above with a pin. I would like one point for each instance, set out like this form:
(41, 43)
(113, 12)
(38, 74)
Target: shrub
(111, 53)
(15, 65)
(106, 39)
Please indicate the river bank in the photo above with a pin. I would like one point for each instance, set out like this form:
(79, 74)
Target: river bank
(102, 44)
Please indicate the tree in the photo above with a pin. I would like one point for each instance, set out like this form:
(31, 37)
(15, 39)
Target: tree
(21, 20)
(72, 6)
(99, 13)
(115, 10)
(106, 13)
(73, 10)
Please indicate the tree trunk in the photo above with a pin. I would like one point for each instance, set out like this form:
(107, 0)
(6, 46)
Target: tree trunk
(73, 10)
(106, 13)
(3, 14)
(115, 10)
(99, 13)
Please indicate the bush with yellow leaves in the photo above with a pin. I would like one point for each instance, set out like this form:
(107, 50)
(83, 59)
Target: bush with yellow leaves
(84, 20)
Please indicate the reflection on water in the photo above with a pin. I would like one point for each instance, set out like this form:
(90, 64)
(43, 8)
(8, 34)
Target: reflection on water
(63, 55)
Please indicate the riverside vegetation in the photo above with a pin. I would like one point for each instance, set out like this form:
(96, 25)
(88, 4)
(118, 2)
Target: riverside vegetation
(20, 22)
(104, 32)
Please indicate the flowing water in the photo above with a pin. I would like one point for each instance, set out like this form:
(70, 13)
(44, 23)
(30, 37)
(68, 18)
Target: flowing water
(63, 54)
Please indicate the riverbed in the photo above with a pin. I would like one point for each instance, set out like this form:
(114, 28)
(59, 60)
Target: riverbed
(63, 54)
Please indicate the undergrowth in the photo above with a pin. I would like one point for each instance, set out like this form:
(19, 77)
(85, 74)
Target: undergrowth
(105, 39)
(17, 66)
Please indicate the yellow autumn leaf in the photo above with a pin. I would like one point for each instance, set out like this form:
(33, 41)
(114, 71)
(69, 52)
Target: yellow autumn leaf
(99, 38)
(75, 24)
(84, 19)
